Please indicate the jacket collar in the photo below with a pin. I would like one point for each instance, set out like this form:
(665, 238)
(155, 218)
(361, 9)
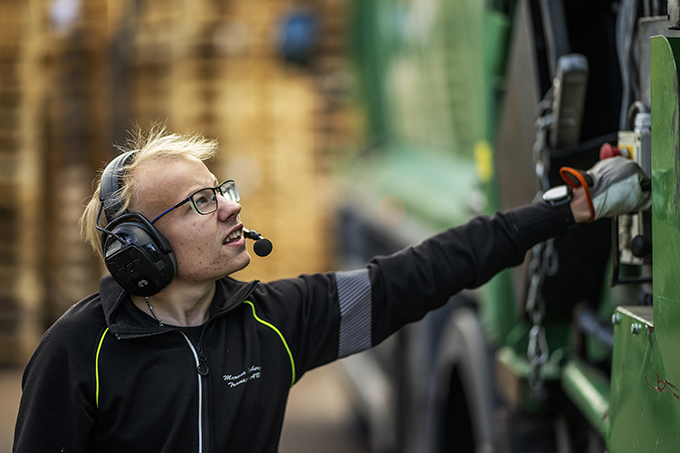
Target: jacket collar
(126, 321)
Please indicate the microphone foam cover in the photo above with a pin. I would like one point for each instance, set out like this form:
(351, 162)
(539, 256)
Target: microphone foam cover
(263, 247)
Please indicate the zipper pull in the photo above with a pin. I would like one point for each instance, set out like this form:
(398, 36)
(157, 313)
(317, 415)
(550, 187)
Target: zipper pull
(202, 362)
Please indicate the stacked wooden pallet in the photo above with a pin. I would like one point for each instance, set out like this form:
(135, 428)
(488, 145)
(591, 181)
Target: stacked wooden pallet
(271, 117)
(78, 141)
(223, 75)
(72, 83)
(22, 191)
(266, 112)
(149, 56)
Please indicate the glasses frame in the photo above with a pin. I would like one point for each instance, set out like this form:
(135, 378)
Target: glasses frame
(224, 188)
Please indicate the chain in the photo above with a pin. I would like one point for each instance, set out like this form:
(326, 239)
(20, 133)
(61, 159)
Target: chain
(538, 352)
(544, 262)
(153, 313)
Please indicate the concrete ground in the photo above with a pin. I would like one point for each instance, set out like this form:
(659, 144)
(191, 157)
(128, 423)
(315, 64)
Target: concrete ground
(318, 417)
(10, 394)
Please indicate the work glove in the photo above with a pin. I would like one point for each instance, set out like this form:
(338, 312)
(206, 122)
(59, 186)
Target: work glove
(613, 186)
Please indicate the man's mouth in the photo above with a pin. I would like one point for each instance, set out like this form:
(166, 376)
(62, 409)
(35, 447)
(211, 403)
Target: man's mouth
(234, 236)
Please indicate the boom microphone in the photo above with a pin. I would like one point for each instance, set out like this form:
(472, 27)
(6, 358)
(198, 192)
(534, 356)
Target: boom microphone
(262, 247)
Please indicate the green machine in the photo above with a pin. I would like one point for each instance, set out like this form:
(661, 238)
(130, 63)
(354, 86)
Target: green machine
(644, 408)
(473, 106)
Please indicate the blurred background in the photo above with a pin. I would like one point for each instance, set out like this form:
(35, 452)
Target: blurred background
(337, 118)
(353, 128)
(269, 79)
(265, 78)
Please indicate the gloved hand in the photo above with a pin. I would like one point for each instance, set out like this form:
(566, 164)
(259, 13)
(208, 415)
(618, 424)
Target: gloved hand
(614, 187)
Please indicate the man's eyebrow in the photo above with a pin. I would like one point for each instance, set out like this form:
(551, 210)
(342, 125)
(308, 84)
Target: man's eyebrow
(216, 182)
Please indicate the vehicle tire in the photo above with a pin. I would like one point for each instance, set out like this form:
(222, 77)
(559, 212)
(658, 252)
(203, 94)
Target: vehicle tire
(460, 401)
(463, 413)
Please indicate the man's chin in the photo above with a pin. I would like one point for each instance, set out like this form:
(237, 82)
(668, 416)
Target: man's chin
(240, 262)
(246, 260)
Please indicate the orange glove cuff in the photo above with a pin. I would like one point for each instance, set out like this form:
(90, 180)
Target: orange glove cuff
(567, 173)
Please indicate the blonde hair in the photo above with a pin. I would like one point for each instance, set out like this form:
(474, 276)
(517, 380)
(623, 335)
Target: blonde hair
(152, 144)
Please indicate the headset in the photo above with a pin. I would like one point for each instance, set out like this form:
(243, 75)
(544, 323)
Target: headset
(136, 254)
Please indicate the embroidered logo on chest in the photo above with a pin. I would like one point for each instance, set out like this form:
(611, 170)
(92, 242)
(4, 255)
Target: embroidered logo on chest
(253, 372)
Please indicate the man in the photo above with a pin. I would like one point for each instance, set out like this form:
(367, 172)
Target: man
(173, 355)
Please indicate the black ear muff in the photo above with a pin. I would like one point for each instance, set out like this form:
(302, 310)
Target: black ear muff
(136, 254)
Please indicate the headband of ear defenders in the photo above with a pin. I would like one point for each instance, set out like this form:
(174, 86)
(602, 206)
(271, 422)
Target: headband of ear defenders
(111, 183)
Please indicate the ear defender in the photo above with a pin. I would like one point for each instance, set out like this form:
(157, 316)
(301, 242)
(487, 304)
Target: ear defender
(136, 254)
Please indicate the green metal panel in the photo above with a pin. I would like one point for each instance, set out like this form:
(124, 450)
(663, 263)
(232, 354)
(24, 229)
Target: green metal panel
(645, 385)
(638, 415)
(666, 190)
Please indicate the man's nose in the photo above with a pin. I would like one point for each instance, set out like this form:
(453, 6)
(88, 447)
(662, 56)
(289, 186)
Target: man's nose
(227, 208)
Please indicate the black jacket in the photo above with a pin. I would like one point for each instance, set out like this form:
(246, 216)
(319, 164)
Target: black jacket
(107, 378)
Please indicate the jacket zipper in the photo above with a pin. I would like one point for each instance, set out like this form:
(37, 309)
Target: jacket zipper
(202, 371)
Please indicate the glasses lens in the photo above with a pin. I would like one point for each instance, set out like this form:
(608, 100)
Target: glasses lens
(228, 189)
(204, 201)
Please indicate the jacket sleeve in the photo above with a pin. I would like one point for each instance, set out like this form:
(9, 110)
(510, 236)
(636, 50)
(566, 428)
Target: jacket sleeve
(330, 316)
(406, 285)
(57, 407)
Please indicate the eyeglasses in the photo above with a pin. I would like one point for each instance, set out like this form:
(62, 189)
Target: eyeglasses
(204, 201)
